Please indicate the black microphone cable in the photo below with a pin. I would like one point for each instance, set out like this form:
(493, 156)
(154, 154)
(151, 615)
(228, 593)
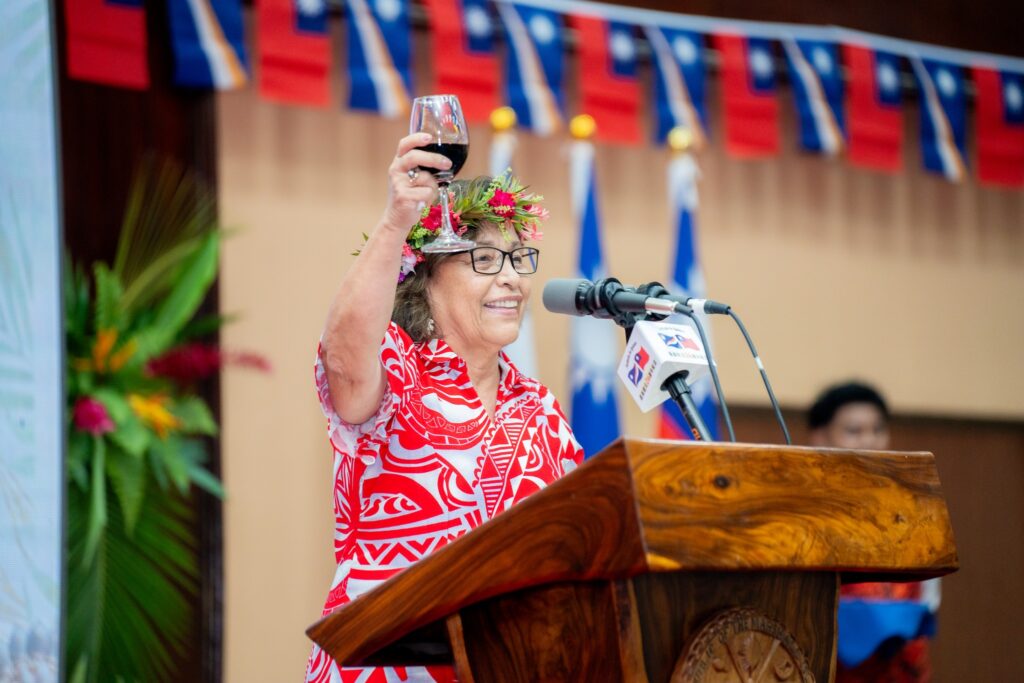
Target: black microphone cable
(689, 312)
(764, 375)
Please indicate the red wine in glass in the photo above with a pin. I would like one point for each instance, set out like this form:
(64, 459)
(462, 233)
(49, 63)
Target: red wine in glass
(455, 151)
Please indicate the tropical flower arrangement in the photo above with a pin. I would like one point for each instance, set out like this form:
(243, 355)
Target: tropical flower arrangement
(138, 433)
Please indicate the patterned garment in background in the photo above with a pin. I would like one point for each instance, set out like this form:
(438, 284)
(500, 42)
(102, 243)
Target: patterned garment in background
(429, 466)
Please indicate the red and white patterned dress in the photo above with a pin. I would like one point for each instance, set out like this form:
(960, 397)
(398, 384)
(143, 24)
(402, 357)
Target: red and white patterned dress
(429, 466)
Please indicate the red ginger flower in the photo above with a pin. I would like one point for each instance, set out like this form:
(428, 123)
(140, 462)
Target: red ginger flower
(91, 416)
(503, 203)
(186, 364)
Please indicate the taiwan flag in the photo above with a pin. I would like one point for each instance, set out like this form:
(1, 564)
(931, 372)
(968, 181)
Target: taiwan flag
(462, 43)
(748, 93)
(818, 89)
(609, 92)
(1000, 126)
(106, 42)
(874, 111)
(294, 51)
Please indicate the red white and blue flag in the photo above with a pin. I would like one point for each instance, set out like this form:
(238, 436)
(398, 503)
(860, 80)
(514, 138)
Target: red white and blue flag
(533, 66)
(999, 118)
(609, 92)
(818, 89)
(687, 280)
(594, 412)
(748, 93)
(379, 56)
(208, 41)
(106, 42)
(874, 112)
(943, 116)
(295, 52)
(679, 73)
(462, 43)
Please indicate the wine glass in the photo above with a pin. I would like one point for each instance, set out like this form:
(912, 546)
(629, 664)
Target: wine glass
(441, 117)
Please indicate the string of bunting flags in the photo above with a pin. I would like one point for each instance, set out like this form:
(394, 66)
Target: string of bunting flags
(848, 86)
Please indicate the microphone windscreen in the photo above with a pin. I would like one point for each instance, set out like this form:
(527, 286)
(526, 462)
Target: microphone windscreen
(560, 295)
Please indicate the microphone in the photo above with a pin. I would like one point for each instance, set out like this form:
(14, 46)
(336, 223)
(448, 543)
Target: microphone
(657, 352)
(606, 298)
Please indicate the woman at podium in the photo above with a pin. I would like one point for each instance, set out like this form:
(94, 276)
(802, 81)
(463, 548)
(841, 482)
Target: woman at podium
(433, 428)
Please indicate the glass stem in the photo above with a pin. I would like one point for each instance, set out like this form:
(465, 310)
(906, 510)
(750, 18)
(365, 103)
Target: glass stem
(446, 222)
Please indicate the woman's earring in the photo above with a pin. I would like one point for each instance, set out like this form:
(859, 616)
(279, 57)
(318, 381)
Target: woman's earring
(430, 327)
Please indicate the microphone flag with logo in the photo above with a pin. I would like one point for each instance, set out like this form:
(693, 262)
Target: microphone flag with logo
(209, 43)
(295, 52)
(379, 56)
(594, 412)
(687, 280)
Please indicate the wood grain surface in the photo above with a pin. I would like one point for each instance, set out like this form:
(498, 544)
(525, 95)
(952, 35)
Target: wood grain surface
(645, 506)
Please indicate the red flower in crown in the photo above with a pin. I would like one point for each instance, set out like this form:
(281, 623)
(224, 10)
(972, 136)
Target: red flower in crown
(432, 221)
(91, 416)
(503, 203)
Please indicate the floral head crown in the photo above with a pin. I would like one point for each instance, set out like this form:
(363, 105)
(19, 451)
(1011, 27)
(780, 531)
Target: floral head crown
(502, 200)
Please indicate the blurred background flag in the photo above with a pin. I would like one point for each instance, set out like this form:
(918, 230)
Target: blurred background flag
(106, 42)
(943, 116)
(750, 108)
(462, 44)
(379, 56)
(533, 66)
(679, 98)
(999, 121)
(594, 412)
(503, 145)
(874, 110)
(295, 54)
(609, 92)
(687, 280)
(818, 90)
(207, 37)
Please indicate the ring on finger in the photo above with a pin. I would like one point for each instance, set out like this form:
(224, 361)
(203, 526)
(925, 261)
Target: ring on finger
(413, 174)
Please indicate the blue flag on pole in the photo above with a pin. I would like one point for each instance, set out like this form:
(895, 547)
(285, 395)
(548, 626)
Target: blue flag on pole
(594, 414)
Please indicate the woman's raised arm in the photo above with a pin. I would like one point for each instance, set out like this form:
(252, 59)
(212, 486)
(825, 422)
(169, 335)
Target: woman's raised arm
(361, 309)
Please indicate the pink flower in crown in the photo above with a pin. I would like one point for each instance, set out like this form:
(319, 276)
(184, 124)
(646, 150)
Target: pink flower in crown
(540, 212)
(89, 415)
(503, 203)
(432, 221)
(529, 230)
(409, 260)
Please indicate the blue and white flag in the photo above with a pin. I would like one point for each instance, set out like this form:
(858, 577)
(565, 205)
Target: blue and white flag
(943, 116)
(594, 414)
(523, 350)
(687, 280)
(533, 66)
(208, 41)
(678, 61)
(379, 56)
(818, 89)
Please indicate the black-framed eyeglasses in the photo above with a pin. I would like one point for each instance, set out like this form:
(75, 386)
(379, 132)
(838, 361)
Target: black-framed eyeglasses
(490, 260)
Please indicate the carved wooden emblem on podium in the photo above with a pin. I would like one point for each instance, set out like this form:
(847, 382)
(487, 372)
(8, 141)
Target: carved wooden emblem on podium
(742, 645)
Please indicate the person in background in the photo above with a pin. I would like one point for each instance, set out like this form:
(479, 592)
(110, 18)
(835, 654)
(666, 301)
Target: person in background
(884, 628)
(434, 430)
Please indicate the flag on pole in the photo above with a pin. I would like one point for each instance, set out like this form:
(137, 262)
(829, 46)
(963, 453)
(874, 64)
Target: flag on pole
(594, 414)
(533, 67)
(209, 49)
(687, 280)
(943, 116)
(873, 109)
(462, 43)
(678, 82)
(1000, 126)
(294, 51)
(748, 93)
(818, 89)
(106, 42)
(379, 56)
(609, 92)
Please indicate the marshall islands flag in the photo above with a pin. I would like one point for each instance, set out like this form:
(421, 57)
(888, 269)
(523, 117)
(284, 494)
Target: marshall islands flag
(379, 56)
(943, 116)
(533, 66)
(818, 89)
(678, 60)
(209, 50)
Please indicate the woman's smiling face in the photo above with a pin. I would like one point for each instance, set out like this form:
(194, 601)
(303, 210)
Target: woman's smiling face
(474, 311)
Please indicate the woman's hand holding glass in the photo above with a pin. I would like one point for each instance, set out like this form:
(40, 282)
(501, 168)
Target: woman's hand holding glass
(410, 189)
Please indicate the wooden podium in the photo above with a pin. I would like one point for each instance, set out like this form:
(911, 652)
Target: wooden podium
(659, 561)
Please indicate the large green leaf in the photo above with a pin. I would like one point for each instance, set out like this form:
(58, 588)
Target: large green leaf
(193, 282)
(97, 514)
(194, 416)
(130, 611)
(108, 298)
(169, 452)
(127, 475)
(132, 436)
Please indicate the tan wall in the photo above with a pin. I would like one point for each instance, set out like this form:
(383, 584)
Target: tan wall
(907, 280)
